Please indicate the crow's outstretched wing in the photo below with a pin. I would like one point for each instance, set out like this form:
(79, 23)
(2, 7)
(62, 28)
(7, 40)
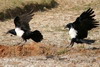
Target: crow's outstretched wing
(23, 21)
(86, 21)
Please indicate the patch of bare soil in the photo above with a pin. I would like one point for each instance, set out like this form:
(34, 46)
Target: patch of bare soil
(36, 49)
(31, 49)
(37, 54)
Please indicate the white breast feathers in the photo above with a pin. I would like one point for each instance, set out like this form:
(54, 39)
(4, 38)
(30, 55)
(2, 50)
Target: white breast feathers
(19, 32)
(72, 32)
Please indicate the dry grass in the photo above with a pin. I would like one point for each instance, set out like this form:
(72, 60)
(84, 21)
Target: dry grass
(77, 5)
(12, 8)
(11, 4)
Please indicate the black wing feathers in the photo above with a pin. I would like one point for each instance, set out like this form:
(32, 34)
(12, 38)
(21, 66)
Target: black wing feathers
(23, 21)
(86, 20)
(17, 22)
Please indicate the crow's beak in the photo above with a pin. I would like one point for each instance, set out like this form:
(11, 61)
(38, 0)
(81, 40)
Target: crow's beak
(7, 32)
(66, 28)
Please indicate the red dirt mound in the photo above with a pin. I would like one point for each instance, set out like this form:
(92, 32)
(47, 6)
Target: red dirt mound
(31, 49)
(34, 49)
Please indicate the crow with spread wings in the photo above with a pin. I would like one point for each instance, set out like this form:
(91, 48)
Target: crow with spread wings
(22, 28)
(78, 30)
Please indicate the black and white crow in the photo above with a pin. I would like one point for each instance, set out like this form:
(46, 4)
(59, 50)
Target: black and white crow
(78, 30)
(22, 28)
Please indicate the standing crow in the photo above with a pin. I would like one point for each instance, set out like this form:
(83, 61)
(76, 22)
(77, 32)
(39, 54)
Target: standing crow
(78, 30)
(22, 28)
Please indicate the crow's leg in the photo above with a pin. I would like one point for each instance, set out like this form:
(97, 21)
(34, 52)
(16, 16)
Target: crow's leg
(72, 42)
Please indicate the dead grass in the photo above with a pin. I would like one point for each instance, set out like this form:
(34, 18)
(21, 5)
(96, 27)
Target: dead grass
(78, 5)
(11, 4)
(11, 8)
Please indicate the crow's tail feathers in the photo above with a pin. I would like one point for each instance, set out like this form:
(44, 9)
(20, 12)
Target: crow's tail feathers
(87, 41)
(84, 41)
(36, 36)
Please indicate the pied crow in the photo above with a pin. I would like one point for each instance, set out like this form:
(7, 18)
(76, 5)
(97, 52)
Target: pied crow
(78, 30)
(22, 28)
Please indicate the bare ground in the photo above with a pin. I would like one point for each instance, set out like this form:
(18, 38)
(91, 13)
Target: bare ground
(52, 51)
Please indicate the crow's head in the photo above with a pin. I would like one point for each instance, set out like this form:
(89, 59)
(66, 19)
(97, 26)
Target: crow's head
(12, 31)
(68, 26)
